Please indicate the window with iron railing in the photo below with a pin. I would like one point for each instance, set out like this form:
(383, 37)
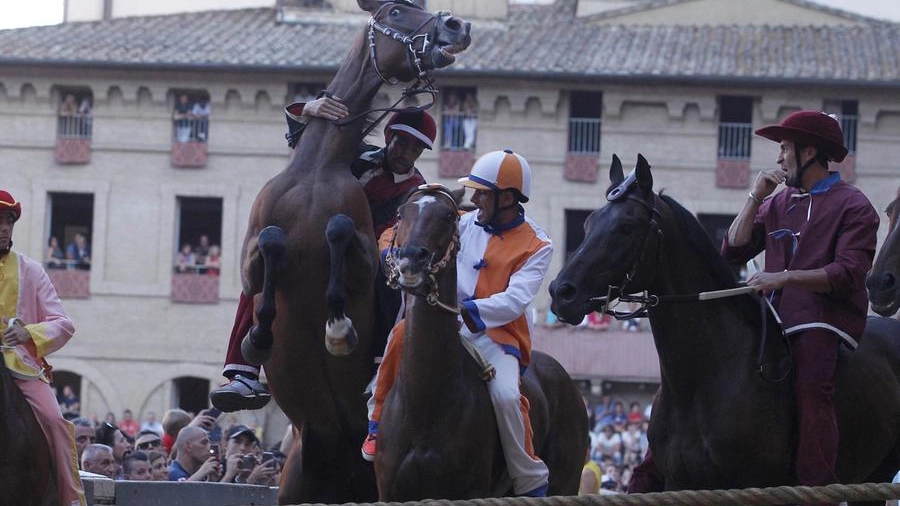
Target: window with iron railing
(849, 126)
(75, 117)
(734, 140)
(584, 135)
(459, 114)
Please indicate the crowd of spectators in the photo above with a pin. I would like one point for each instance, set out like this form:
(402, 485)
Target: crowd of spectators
(181, 447)
(200, 258)
(618, 442)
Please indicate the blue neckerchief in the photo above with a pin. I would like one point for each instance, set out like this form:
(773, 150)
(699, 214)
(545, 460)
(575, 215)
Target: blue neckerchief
(499, 229)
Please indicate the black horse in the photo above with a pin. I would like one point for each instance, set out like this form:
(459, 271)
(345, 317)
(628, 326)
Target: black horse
(883, 281)
(27, 471)
(718, 422)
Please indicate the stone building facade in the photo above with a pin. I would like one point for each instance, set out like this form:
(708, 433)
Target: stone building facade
(567, 85)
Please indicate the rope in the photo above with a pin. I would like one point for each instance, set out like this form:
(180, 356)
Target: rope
(834, 493)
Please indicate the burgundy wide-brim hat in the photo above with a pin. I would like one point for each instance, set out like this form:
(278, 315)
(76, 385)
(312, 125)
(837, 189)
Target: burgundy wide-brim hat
(8, 203)
(812, 128)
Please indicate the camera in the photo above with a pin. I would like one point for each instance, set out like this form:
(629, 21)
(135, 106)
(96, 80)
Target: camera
(247, 462)
(214, 450)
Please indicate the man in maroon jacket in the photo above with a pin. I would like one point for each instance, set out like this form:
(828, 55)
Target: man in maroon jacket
(819, 237)
(387, 175)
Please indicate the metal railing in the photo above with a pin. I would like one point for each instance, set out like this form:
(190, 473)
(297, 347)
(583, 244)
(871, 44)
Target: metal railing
(458, 130)
(734, 140)
(74, 126)
(584, 135)
(190, 130)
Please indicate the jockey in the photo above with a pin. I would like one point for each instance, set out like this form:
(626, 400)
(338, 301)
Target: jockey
(502, 261)
(387, 175)
(34, 325)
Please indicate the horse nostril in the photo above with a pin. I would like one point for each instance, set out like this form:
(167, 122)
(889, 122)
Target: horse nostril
(566, 292)
(885, 281)
(453, 24)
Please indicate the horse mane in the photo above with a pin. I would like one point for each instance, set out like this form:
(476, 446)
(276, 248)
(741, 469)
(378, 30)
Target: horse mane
(701, 244)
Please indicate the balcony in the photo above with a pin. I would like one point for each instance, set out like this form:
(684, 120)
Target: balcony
(70, 280)
(196, 284)
(189, 138)
(582, 159)
(73, 139)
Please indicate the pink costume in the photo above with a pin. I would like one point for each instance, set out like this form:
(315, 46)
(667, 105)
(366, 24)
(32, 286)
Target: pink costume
(27, 293)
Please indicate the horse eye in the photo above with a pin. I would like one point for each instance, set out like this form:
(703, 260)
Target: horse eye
(394, 12)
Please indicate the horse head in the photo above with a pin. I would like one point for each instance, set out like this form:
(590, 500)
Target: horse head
(421, 40)
(428, 235)
(620, 248)
(883, 281)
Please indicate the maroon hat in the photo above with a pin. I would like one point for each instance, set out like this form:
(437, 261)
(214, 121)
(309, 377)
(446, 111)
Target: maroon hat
(811, 128)
(417, 124)
(8, 203)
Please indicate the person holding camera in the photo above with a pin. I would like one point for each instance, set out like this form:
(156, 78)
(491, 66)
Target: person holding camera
(242, 464)
(195, 459)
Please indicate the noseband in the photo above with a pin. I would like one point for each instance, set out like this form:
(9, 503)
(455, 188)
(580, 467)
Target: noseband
(432, 297)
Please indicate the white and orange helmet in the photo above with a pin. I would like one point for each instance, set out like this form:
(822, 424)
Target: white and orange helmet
(501, 170)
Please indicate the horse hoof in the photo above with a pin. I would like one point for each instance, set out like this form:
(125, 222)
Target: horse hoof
(254, 354)
(340, 337)
(271, 240)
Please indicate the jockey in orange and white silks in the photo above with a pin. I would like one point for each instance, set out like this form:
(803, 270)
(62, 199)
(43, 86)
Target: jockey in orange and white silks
(502, 261)
(34, 325)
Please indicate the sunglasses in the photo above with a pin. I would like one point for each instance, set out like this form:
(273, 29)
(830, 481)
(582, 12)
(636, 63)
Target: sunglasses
(149, 444)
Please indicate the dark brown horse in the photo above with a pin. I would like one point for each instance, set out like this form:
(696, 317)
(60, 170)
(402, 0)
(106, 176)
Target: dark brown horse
(883, 281)
(717, 422)
(438, 436)
(27, 471)
(309, 258)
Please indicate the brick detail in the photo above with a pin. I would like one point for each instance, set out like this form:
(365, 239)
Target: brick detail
(455, 163)
(847, 168)
(72, 151)
(188, 154)
(71, 283)
(733, 173)
(198, 288)
(582, 168)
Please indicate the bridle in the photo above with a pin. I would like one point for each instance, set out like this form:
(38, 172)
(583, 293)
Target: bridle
(431, 296)
(423, 82)
(409, 40)
(616, 293)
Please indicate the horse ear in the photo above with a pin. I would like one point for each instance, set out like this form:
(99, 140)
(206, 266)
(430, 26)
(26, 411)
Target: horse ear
(642, 172)
(616, 175)
(368, 5)
(458, 194)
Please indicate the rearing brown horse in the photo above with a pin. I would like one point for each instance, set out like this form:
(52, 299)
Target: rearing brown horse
(719, 420)
(883, 281)
(438, 435)
(309, 259)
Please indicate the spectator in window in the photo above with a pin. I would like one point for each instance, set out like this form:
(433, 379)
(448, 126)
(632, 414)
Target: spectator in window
(85, 118)
(212, 263)
(470, 120)
(69, 403)
(55, 258)
(452, 125)
(201, 250)
(69, 106)
(200, 119)
(80, 252)
(184, 260)
(182, 119)
(68, 113)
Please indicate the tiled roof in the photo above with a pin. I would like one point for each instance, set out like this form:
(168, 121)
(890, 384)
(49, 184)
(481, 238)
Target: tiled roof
(536, 40)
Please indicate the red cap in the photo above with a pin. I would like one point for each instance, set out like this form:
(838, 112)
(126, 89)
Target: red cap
(811, 128)
(417, 124)
(8, 203)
